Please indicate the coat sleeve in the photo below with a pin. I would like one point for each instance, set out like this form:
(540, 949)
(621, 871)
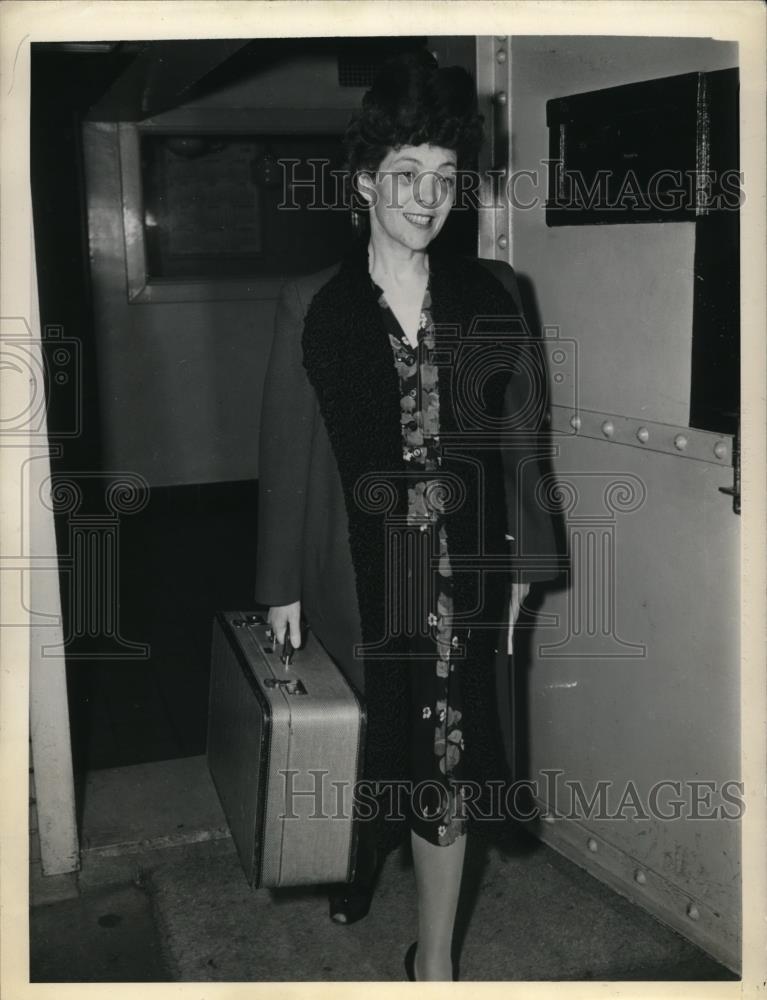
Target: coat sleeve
(288, 416)
(530, 523)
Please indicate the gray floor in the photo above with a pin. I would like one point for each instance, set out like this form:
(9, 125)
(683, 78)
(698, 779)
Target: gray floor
(159, 904)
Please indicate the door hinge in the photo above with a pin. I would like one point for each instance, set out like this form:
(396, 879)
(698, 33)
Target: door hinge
(734, 490)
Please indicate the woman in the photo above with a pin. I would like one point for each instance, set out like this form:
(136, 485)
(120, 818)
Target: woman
(389, 452)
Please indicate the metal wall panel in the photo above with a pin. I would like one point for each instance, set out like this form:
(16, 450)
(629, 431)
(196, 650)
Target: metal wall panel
(634, 680)
(630, 675)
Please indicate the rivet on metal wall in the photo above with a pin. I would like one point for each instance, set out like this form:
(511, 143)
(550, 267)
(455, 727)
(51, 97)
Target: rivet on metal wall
(693, 912)
(640, 877)
(501, 97)
(592, 845)
(720, 449)
(643, 435)
(500, 56)
(608, 428)
(680, 442)
(575, 422)
(502, 241)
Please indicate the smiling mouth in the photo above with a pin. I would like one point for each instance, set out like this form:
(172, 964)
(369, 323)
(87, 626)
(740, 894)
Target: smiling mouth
(421, 221)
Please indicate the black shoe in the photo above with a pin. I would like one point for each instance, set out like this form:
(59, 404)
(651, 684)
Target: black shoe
(410, 962)
(350, 901)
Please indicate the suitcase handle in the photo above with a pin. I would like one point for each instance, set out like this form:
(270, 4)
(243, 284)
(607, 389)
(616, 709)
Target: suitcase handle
(288, 649)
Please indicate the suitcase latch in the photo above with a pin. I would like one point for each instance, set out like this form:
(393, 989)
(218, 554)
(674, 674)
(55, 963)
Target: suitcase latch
(290, 685)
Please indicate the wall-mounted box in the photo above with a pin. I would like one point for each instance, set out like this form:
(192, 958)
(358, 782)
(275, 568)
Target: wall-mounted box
(661, 150)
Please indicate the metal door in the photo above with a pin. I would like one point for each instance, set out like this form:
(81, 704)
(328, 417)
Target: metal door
(626, 710)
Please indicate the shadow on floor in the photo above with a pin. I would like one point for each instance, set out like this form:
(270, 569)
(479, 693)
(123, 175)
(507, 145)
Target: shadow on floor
(190, 916)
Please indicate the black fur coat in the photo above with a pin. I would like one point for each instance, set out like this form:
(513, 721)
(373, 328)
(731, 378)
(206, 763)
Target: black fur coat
(348, 362)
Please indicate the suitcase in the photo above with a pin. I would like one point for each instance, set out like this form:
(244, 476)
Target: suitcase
(276, 730)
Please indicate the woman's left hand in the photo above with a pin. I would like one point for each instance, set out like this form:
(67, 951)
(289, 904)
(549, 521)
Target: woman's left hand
(519, 592)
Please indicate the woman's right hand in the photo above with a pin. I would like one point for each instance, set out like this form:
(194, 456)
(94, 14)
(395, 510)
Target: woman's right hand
(286, 618)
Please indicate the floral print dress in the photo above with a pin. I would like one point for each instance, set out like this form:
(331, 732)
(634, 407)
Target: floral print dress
(437, 808)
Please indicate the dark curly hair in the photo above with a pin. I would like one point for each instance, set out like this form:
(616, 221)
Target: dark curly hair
(413, 101)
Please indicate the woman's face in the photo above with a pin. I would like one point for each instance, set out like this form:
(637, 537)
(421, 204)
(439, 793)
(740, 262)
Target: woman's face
(411, 194)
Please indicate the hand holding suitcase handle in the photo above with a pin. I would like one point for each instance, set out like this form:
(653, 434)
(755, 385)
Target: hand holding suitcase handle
(285, 622)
